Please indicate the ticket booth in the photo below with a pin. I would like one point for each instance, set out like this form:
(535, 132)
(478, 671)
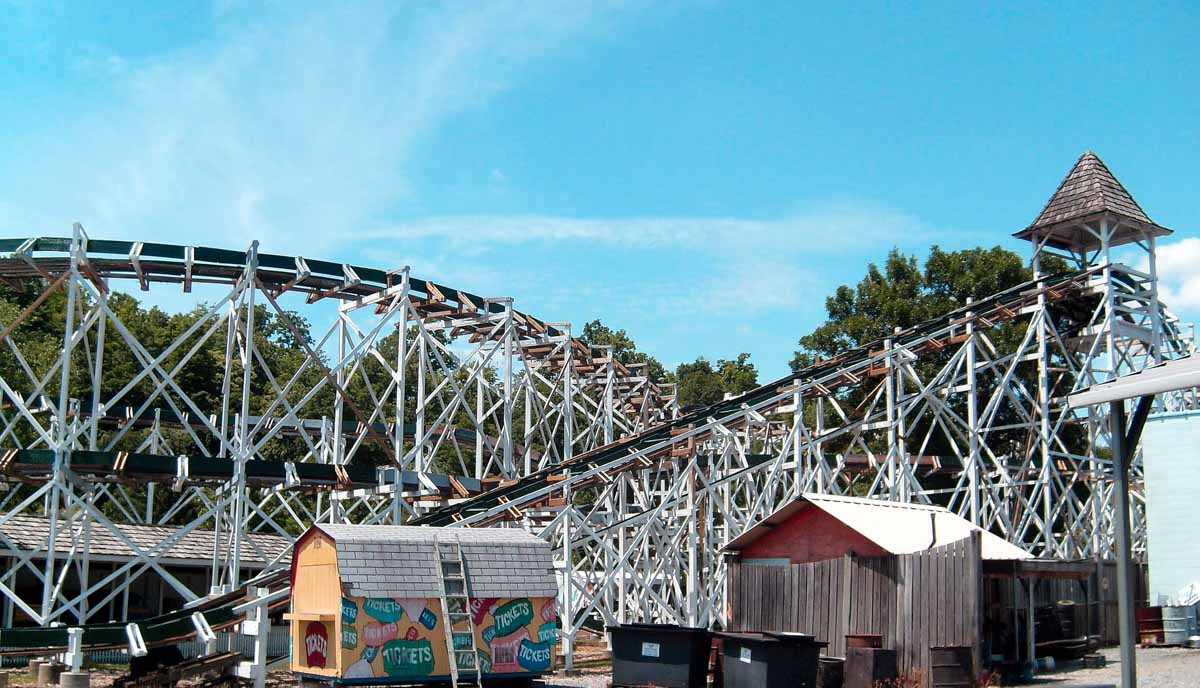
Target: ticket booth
(398, 604)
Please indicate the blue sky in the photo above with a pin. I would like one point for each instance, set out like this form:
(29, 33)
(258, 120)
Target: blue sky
(700, 174)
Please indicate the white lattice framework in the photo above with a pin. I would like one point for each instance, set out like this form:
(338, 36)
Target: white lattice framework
(482, 415)
(491, 392)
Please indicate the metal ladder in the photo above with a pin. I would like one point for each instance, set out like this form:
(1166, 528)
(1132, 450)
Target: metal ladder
(456, 608)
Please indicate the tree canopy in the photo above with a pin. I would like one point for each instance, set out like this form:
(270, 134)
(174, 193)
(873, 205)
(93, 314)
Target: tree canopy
(901, 293)
(699, 382)
(624, 349)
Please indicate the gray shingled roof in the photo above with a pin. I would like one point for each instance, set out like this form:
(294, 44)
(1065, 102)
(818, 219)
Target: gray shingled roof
(1088, 190)
(400, 561)
(31, 533)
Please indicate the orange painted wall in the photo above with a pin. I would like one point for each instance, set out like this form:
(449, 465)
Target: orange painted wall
(811, 535)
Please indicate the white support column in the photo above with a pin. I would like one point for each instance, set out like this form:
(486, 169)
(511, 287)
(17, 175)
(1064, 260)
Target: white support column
(622, 535)
(510, 334)
(893, 450)
(796, 449)
(60, 479)
(609, 382)
(529, 424)
(693, 551)
(244, 443)
(568, 402)
(1156, 324)
(567, 614)
(480, 394)
(1046, 472)
(973, 458)
(422, 401)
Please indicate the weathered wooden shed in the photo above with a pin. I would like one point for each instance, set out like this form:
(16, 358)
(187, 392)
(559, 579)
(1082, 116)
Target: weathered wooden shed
(388, 604)
(912, 574)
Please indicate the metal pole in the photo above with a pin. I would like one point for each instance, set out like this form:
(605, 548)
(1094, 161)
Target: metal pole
(1121, 460)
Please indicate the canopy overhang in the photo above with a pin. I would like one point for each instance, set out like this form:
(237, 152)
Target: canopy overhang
(1177, 374)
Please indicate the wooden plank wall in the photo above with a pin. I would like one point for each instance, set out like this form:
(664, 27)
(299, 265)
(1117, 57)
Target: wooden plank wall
(938, 601)
(914, 601)
(1095, 600)
(790, 598)
(874, 581)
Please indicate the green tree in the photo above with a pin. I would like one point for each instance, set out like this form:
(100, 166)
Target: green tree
(699, 382)
(902, 294)
(624, 349)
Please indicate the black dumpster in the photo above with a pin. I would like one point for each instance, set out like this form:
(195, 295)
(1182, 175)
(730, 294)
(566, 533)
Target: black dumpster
(661, 655)
(752, 660)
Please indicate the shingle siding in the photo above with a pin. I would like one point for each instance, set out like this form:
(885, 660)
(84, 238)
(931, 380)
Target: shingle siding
(31, 533)
(401, 561)
(1089, 188)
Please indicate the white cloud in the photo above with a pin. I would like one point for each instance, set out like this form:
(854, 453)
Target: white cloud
(736, 264)
(1178, 276)
(302, 124)
(829, 228)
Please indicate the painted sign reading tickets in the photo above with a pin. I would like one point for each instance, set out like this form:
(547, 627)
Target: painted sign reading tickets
(534, 656)
(512, 615)
(316, 644)
(408, 657)
(384, 609)
(404, 638)
(349, 611)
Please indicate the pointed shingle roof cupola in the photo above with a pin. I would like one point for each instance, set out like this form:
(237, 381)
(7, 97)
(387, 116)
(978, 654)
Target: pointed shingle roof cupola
(1090, 195)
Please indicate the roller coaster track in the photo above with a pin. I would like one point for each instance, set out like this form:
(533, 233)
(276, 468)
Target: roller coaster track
(851, 369)
(549, 434)
(646, 516)
(490, 391)
(221, 613)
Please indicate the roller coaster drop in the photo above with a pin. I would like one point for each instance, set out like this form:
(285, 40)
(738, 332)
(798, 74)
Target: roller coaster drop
(547, 433)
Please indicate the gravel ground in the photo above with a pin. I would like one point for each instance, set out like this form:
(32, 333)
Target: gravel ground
(587, 678)
(1157, 667)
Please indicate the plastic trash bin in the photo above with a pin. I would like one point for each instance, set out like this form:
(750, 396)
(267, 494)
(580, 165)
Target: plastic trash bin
(661, 655)
(752, 660)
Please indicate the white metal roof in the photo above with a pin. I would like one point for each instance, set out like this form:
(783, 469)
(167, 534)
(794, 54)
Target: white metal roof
(897, 527)
(1181, 373)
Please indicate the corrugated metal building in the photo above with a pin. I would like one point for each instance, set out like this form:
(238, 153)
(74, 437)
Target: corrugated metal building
(1171, 460)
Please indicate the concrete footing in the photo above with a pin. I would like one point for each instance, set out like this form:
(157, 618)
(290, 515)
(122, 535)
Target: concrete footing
(75, 679)
(48, 674)
(33, 665)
